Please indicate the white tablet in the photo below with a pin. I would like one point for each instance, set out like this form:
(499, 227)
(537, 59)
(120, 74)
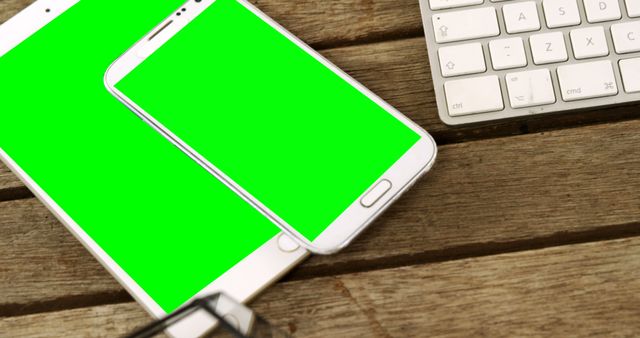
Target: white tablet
(165, 228)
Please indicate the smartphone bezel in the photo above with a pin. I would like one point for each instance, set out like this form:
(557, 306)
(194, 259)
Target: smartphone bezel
(242, 282)
(414, 163)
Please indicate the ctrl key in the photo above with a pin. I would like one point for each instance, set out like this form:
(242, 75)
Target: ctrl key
(473, 95)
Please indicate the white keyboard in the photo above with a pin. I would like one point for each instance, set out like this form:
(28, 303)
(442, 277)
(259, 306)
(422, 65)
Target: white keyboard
(496, 59)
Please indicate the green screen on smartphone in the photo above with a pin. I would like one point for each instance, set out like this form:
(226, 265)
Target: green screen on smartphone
(287, 129)
(170, 225)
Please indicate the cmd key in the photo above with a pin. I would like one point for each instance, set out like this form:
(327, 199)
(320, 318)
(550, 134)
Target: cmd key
(587, 80)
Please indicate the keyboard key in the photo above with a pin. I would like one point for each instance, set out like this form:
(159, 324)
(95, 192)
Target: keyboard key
(462, 59)
(530, 88)
(548, 48)
(474, 95)
(466, 24)
(587, 80)
(626, 37)
(561, 13)
(442, 4)
(521, 17)
(633, 8)
(507, 53)
(602, 10)
(589, 42)
(630, 70)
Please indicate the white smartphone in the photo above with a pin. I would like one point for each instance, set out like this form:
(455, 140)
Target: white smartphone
(306, 144)
(167, 230)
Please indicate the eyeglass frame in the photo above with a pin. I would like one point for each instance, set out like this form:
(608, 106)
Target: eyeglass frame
(160, 325)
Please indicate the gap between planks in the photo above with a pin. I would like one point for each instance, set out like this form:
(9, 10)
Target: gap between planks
(324, 24)
(615, 232)
(576, 290)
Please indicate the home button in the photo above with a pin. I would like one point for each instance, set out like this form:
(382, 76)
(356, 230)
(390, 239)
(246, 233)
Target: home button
(376, 193)
(286, 244)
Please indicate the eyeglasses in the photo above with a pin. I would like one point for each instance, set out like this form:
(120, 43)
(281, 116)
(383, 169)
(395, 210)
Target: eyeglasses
(217, 315)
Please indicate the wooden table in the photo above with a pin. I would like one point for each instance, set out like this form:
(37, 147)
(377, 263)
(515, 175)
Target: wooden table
(524, 228)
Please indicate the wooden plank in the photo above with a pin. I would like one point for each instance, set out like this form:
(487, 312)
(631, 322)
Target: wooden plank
(40, 257)
(9, 8)
(99, 321)
(576, 290)
(572, 290)
(323, 23)
(482, 197)
(7, 179)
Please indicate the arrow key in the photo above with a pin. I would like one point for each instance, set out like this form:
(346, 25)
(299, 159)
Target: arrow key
(462, 60)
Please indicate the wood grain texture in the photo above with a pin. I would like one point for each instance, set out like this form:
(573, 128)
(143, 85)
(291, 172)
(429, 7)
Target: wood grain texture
(331, 23)
(39, 256)
(7, 179)
(323, 23)
(576, 290)
(9, 8)
(92, 322)
(482, 197)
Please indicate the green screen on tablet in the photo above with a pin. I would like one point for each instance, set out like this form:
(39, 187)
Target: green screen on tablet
(169, 224)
